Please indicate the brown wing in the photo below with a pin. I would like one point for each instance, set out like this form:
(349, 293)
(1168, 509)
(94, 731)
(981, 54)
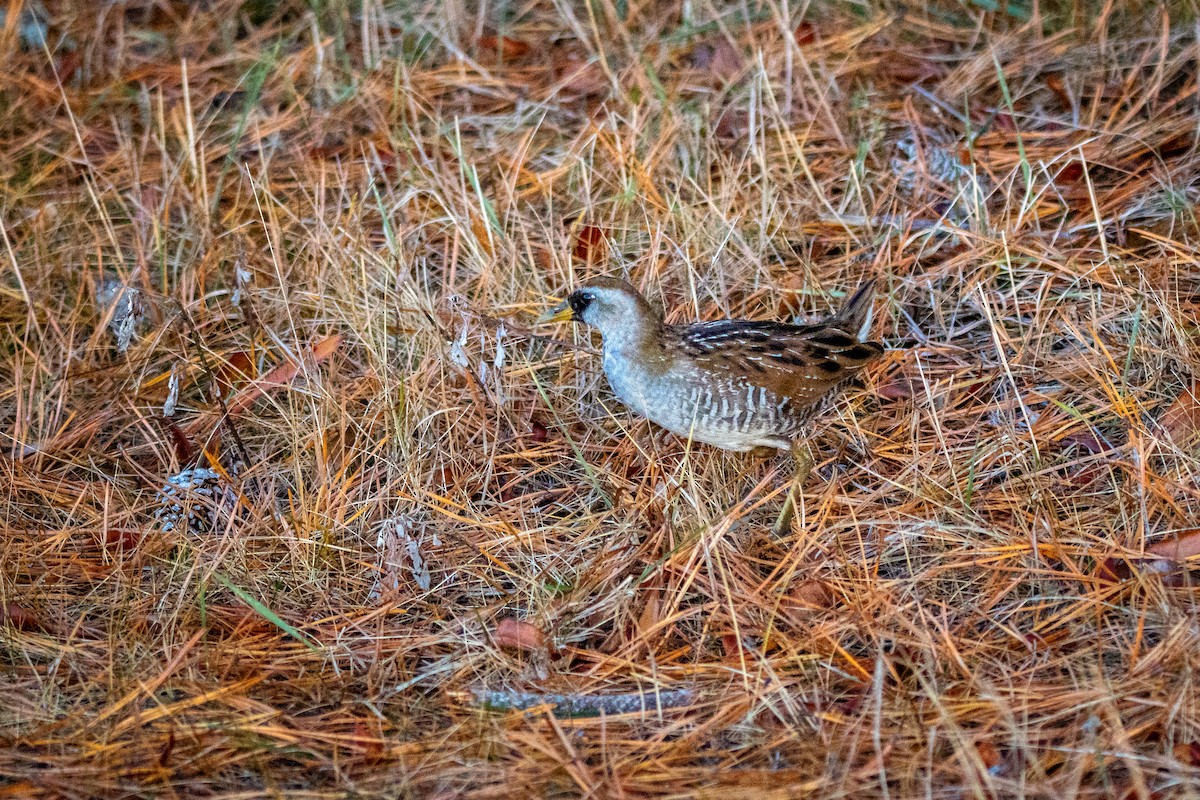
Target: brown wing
(799, 361)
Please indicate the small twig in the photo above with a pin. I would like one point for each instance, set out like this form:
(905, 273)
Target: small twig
(581, 705)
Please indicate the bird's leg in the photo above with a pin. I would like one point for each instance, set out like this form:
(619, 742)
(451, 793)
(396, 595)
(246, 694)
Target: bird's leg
(803, 458)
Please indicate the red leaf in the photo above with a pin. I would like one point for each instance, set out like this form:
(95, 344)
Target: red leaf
(19, 617)
(1071, 173)
(727, 62)
(731, 646)
(591, 245)
(505, 48)
(1004, 122)
(123, 538)
(806, 32)
(236, 370)
(1055, 83)
(989, 754)
(180, 441)
(518, 635)
(538, 432)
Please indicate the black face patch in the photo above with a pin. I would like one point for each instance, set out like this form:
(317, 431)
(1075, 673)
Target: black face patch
(579, 301)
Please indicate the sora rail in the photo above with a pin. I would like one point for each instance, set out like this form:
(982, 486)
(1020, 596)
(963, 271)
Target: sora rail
(736, 384)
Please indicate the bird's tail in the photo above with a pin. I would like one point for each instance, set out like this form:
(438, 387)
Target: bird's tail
(856, 316)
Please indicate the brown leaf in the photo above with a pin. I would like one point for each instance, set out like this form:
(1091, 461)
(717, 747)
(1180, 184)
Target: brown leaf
(281, 375)
(582, 78)
(1188, 753)
(727, 63)
(512, 632)
(732, 646)
(19, 617)
(123, 538)
(989, 754)
(1087, 440)
(1056, 85)
(810, 595)
(806, 33)
(538, 432)
(237, 369)
(1070, 173)
(591, 245)
(1182, 546)
(1168, 558)
(504, 48)
(900, 387)
(1182, 418)
(179, 440)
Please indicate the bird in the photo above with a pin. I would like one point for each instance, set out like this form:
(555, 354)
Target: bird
(740, 385)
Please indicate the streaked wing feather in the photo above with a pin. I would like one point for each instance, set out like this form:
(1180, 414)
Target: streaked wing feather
(800, 361)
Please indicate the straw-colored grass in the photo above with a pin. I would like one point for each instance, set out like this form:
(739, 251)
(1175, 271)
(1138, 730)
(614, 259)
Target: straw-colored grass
(436, 558)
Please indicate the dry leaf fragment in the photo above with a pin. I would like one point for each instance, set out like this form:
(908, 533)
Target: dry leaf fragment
(1182, 418)
(581, 77)
(810, 595)
(591, 245)
(512, 632)
(504, 48)
(1188, 753)
(1182, 546)
(989, 754)
(1168, 558)
(281, 375)
(19, 617)
(900, 387)
(727, 63)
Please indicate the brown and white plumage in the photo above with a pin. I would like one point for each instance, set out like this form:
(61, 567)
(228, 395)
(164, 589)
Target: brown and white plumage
(736, 384)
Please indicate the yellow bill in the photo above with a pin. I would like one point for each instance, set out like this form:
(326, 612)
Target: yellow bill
(560, 313)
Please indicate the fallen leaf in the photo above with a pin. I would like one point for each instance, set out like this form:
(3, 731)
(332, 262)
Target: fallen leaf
(1182, 546)
(732, 646)
(123, 538)
(591, 245)
(538, 432)
(1087, 440)
(1003, 121)
(19, 617)
(900, 387)
(989, 754)
(1070, 173)
(236, 370)
(1168, 558)
(512, 632)
(810, 595)
(504, 48)
(280, 375)
(184, 450)
(727, 63)
(806, 32)
(1188, 753)
(1182, 418)
(1056, 85)
(582, 78)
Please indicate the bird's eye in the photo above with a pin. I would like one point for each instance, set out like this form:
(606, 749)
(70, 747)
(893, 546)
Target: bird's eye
(580, 300)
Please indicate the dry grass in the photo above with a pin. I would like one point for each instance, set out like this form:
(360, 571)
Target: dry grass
(980, 596)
